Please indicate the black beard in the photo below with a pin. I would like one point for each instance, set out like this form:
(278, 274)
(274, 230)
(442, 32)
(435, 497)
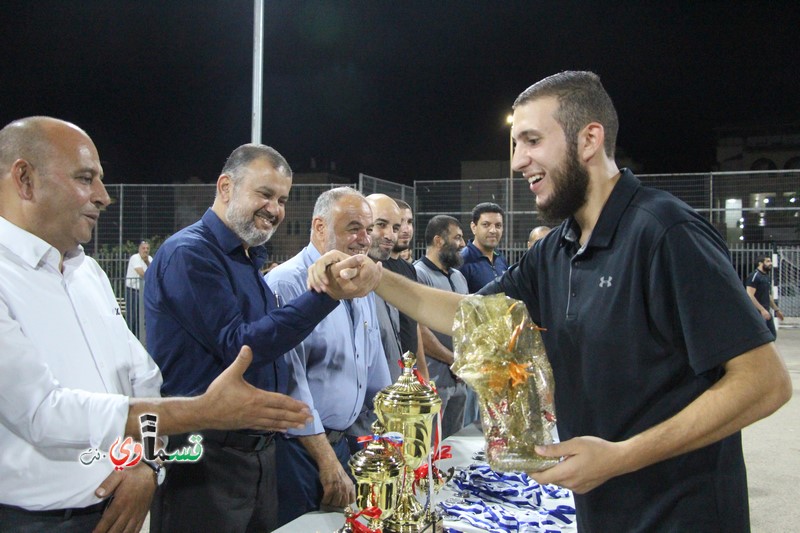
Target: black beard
(398, 248)
(570, 185)
(449, 257)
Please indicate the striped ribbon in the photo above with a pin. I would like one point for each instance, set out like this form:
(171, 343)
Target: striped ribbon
(511, 501)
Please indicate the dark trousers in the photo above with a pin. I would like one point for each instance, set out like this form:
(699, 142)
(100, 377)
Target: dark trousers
(132, 309)
(227, 490)
(454, 403)
(301, 490)
(16, 520)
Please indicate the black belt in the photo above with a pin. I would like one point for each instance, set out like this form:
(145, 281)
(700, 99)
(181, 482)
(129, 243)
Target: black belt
(240, 441)
(64, 514)
(333, 436)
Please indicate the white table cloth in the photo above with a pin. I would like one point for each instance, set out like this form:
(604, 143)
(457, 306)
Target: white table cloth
(463, 445)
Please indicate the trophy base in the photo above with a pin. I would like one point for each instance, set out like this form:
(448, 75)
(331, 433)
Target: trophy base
(434, 525)
(437, 526)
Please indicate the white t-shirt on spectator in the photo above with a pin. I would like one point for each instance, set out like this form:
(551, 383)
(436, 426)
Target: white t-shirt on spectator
(132, 277)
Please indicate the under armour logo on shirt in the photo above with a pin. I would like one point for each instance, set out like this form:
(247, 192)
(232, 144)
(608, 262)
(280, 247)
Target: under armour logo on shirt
(605, 282)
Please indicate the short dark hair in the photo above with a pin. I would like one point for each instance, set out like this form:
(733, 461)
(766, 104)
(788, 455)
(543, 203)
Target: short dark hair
(247, 153)
(486, 207)
(439, 225)
(402, 204)
(763, 257)
(581, 99)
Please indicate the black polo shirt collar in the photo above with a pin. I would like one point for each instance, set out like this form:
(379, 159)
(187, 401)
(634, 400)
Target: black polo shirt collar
(611, 214)
(433, 266)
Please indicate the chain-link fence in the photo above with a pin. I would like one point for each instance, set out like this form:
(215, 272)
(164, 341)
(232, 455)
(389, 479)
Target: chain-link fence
(757, 212)
(788, 280)
(745, 207)
(785, 271)
(371, 185)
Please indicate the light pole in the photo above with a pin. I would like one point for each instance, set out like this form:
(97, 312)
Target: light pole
(509, 230)
(258, 71)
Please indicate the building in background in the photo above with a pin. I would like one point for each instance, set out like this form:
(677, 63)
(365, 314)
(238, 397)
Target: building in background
(768, 147)
(761, 204)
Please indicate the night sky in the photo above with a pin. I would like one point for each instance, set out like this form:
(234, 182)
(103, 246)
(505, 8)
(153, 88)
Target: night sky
(401, 90)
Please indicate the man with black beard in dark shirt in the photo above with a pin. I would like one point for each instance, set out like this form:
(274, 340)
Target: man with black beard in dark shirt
(410, 335)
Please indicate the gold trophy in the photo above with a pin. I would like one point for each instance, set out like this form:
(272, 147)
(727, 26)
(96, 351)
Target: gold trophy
(377, 471)
(408, 408)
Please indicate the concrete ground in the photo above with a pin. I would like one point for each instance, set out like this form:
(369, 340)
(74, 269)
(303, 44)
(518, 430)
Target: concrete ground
(772, 453)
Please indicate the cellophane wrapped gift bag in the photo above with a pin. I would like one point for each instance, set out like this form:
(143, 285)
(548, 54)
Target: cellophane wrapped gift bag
(499, 352)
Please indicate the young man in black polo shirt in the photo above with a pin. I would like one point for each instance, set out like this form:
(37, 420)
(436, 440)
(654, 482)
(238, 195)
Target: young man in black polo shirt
(759, 288)
(653, 380)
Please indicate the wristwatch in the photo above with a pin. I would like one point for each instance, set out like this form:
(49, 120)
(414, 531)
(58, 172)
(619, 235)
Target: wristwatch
(161, 472)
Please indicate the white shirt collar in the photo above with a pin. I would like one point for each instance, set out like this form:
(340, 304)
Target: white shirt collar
(34, 251)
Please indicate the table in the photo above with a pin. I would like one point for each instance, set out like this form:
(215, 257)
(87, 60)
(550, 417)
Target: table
(463, 445)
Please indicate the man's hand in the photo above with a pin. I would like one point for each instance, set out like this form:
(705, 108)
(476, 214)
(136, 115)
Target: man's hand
(342, 278)
(755, 384)
(765, 314)
(588, 463)
(779, 314)
(133, 491)
(338, 489)
(233, 403)
(318, 272)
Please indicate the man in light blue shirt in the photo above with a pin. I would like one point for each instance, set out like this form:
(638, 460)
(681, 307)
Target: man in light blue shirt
(335, 370)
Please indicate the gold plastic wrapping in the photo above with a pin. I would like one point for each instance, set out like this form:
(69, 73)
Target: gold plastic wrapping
(499, 352)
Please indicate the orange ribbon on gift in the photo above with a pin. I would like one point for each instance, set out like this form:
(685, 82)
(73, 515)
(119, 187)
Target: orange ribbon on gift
(519, 373)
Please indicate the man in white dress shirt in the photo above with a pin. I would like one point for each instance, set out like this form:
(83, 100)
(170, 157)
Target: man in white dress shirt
(72, 376)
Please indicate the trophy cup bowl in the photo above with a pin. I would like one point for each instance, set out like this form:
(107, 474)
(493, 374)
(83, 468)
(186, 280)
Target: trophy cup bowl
(408, 408)
(377, 470)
